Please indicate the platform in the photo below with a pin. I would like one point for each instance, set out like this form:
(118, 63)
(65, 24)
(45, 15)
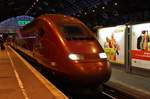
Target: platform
(19, 80)
(130, 83)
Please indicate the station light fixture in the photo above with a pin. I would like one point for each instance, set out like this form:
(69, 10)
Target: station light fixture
(93, 10)
(103, 7)
(115, 3)
(85, 13)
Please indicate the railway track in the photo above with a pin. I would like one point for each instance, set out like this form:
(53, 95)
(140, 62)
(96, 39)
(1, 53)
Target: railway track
(116, 94)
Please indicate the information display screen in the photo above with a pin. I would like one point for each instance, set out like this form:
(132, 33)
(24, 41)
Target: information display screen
(23, 22)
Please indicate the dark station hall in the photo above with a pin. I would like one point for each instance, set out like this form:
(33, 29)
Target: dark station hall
(74, 49)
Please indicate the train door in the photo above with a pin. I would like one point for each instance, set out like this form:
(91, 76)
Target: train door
(37, 46)
(49, 46)
(43, 45)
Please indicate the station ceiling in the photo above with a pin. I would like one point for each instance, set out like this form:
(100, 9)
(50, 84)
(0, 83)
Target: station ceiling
(10, 8)
(78, 8)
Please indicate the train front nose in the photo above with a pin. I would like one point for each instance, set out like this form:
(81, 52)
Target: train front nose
(91, 73)
(95, 72)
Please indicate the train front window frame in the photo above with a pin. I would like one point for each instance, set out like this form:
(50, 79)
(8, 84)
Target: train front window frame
(75, 32)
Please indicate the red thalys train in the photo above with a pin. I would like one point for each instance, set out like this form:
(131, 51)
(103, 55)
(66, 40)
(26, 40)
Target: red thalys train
(68, 48)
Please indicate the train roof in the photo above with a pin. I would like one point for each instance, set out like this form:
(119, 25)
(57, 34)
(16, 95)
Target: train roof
(56, 18)
(60, 18)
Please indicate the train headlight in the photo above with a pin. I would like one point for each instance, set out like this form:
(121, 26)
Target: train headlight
(102, 55)
(75, 57)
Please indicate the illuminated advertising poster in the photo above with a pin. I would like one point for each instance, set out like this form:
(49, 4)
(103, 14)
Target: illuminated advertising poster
(140, 52)
(112, 40)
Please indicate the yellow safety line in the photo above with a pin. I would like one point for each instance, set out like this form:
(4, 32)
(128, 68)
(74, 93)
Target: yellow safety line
(56, 92)
(18, 78)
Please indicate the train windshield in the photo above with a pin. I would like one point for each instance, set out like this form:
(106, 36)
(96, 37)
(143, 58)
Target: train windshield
(75, 32)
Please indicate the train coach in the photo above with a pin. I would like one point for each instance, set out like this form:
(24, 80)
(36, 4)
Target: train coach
(67, 47)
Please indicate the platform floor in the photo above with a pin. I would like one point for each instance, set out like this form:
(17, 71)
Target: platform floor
(132, 84)
(19, 80)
